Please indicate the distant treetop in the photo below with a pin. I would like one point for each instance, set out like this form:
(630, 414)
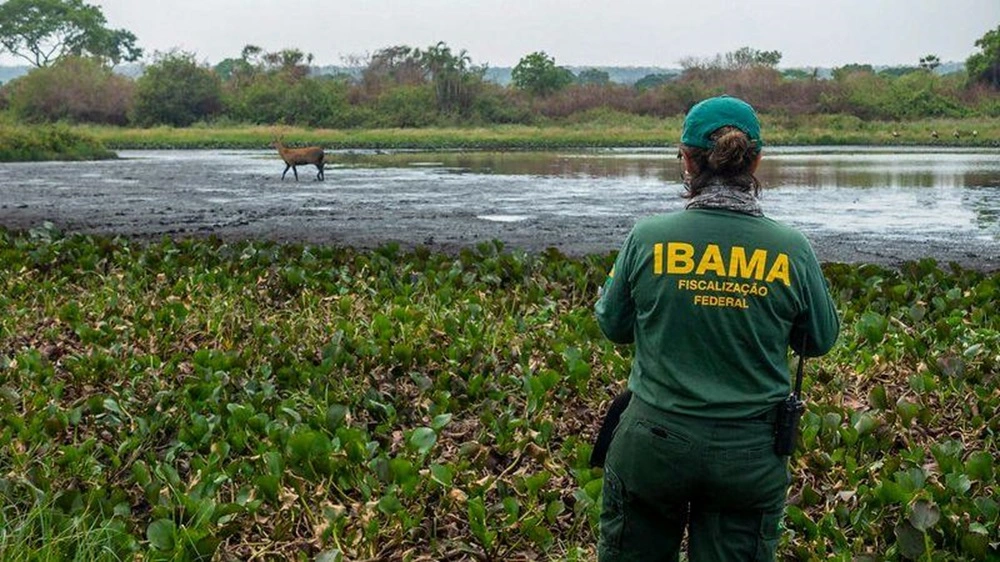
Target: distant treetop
(43, 31)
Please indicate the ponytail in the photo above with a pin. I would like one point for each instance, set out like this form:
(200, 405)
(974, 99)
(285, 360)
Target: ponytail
(730, 161)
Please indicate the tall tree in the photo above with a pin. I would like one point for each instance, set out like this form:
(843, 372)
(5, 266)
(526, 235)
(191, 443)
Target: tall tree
(747, 57)
(537, 73)
(984, 66)
(453, 74)
(392, 66)
(930, 62)
(175, 90)
(43, 31)
(740, 59)
(650, 81)
(593, 76)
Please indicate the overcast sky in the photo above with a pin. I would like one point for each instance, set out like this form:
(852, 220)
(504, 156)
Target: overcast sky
(575, 32)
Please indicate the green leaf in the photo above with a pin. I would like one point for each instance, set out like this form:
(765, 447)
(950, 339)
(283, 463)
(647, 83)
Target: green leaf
(892, 493)
(907, 411)
(979, 529)
(390, 504)
(536, 482)
(477, 523)
(161, 534)
(442, 475)
(865, 424)
(440, 421)
(554, 510)
(335, 416)
(513, 509)
(423, 439)
(958, 482)
(269, 485)
(594, 488)
(877, 397)
(799, 519)
(910, 541)
(988, 508)
(924, 515)
(980, 466)
(872, 327)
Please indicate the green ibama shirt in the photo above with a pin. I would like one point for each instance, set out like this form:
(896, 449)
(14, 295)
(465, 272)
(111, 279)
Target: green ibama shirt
(713, 299)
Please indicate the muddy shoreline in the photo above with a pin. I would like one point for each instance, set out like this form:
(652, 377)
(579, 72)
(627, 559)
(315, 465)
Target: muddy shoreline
(448, 235)
(576, 209)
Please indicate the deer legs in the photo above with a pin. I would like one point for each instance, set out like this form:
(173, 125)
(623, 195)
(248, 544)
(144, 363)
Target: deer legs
(294, 171)
(319, 175)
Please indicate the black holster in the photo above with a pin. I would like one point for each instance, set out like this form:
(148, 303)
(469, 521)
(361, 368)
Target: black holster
(607, 431)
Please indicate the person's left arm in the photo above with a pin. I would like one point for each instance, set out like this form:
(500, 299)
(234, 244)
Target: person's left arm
(615, 308)
(818, 320)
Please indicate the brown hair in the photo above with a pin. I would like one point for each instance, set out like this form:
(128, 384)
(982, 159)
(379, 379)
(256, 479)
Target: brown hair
(729, 161)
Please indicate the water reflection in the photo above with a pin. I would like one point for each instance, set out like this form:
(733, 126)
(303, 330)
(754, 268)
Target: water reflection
(911, 191)
(659, 164)
(899, 194)
(881, 170)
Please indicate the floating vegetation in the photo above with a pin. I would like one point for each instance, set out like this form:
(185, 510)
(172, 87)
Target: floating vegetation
(186, 400)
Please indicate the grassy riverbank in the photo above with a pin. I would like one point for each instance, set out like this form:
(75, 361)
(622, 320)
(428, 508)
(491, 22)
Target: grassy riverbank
(598, 130)
(26, 144)
(601, 129)
(193, 399)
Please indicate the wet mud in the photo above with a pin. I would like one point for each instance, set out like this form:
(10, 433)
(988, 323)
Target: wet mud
(239, 196)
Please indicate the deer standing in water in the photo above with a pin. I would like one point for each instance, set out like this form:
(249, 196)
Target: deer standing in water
(300, 157)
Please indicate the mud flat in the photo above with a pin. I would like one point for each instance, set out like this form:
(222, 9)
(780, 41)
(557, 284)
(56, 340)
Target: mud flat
(444, 203)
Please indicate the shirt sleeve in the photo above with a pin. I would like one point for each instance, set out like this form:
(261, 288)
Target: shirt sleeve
(818, 321)
(615, 307)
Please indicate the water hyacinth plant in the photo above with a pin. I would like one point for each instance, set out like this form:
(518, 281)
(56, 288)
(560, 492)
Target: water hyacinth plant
(196, 400)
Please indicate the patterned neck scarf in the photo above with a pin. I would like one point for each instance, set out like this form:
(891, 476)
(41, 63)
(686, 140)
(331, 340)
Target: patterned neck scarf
(721, 196)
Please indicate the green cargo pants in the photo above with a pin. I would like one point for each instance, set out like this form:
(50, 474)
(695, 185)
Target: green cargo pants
(719, 478)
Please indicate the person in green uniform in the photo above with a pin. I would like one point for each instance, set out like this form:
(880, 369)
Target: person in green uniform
(712, 297)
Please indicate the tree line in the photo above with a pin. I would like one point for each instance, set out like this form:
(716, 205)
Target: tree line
(401, 86)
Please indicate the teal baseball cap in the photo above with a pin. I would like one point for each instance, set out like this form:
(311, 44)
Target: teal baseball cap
(707, 116)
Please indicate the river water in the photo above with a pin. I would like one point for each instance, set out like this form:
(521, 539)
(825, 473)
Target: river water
(881, 205)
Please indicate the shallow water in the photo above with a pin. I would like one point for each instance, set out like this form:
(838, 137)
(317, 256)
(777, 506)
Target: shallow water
(578, 200)
(916, 193)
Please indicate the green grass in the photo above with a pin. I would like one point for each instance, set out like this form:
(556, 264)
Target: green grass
(53, 531)
(601, 129)
(22, 143)
(194, 399)
(595, 129)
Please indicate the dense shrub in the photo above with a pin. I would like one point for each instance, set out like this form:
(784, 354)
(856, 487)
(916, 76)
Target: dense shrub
(20, 144)
(406, 106)
(175, 90)
(922, 94)
(404, 87)
(498, 105)
(277, 99)
(910, 96)
(583, 98)
(74, 89)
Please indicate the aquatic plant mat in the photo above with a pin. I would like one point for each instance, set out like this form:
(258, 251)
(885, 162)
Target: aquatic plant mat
(190, 400)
